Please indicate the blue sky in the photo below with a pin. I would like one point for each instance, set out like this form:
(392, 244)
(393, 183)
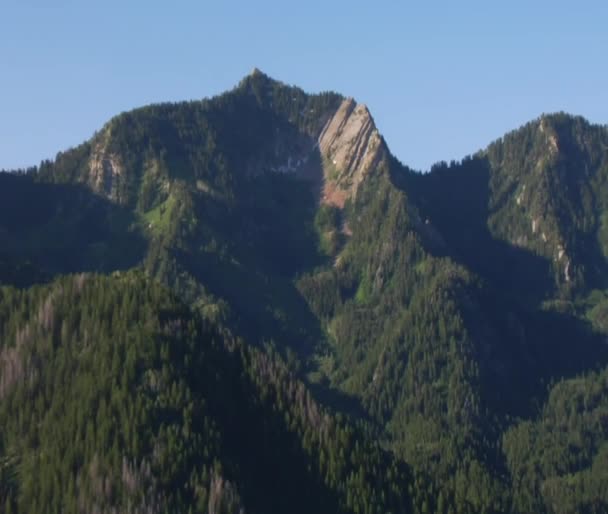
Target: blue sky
(442, 79)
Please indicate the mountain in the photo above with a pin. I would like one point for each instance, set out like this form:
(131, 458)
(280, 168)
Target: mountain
(539, 189)
(246, 303)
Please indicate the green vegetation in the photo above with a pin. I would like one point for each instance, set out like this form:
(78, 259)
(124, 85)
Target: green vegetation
(115, 395)
(184, 328)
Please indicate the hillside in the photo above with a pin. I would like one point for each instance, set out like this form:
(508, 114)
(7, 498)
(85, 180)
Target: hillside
(371, 338)
(116, 397)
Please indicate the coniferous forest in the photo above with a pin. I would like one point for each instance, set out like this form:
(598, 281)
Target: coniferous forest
(246, 304)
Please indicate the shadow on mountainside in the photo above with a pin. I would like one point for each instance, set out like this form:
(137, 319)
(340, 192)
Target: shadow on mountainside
(249, 252)
(531, 346)
(48, 229)
(521, 350)
(455, 200)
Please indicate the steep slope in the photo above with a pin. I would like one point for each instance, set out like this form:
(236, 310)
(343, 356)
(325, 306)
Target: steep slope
(115, 397)
(232, 184)
(238, 195)
(431, 309)
(216, 145)
(537, 194)
(57, 228)
(437, 326)
(559, 190)
(352, 148)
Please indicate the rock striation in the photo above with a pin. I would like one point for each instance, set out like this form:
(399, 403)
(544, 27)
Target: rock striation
(351, 147)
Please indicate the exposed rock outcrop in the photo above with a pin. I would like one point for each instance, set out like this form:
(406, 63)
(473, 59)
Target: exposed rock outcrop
(104, 168)
(351, 147)
(552, 142)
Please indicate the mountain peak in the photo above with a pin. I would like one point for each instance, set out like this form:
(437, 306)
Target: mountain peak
(256, 71)
(257, 78)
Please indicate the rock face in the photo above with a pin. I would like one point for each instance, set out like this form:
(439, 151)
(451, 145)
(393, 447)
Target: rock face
(104, 168)
(351, 147)
(337, 150)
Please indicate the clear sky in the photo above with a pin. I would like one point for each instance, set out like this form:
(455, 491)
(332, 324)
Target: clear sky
(442, 79)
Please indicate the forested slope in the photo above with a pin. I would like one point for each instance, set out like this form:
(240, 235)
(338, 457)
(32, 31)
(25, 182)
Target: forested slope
(246, 302)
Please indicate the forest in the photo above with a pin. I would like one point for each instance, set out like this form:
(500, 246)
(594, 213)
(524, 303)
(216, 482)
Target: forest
(188, 324)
